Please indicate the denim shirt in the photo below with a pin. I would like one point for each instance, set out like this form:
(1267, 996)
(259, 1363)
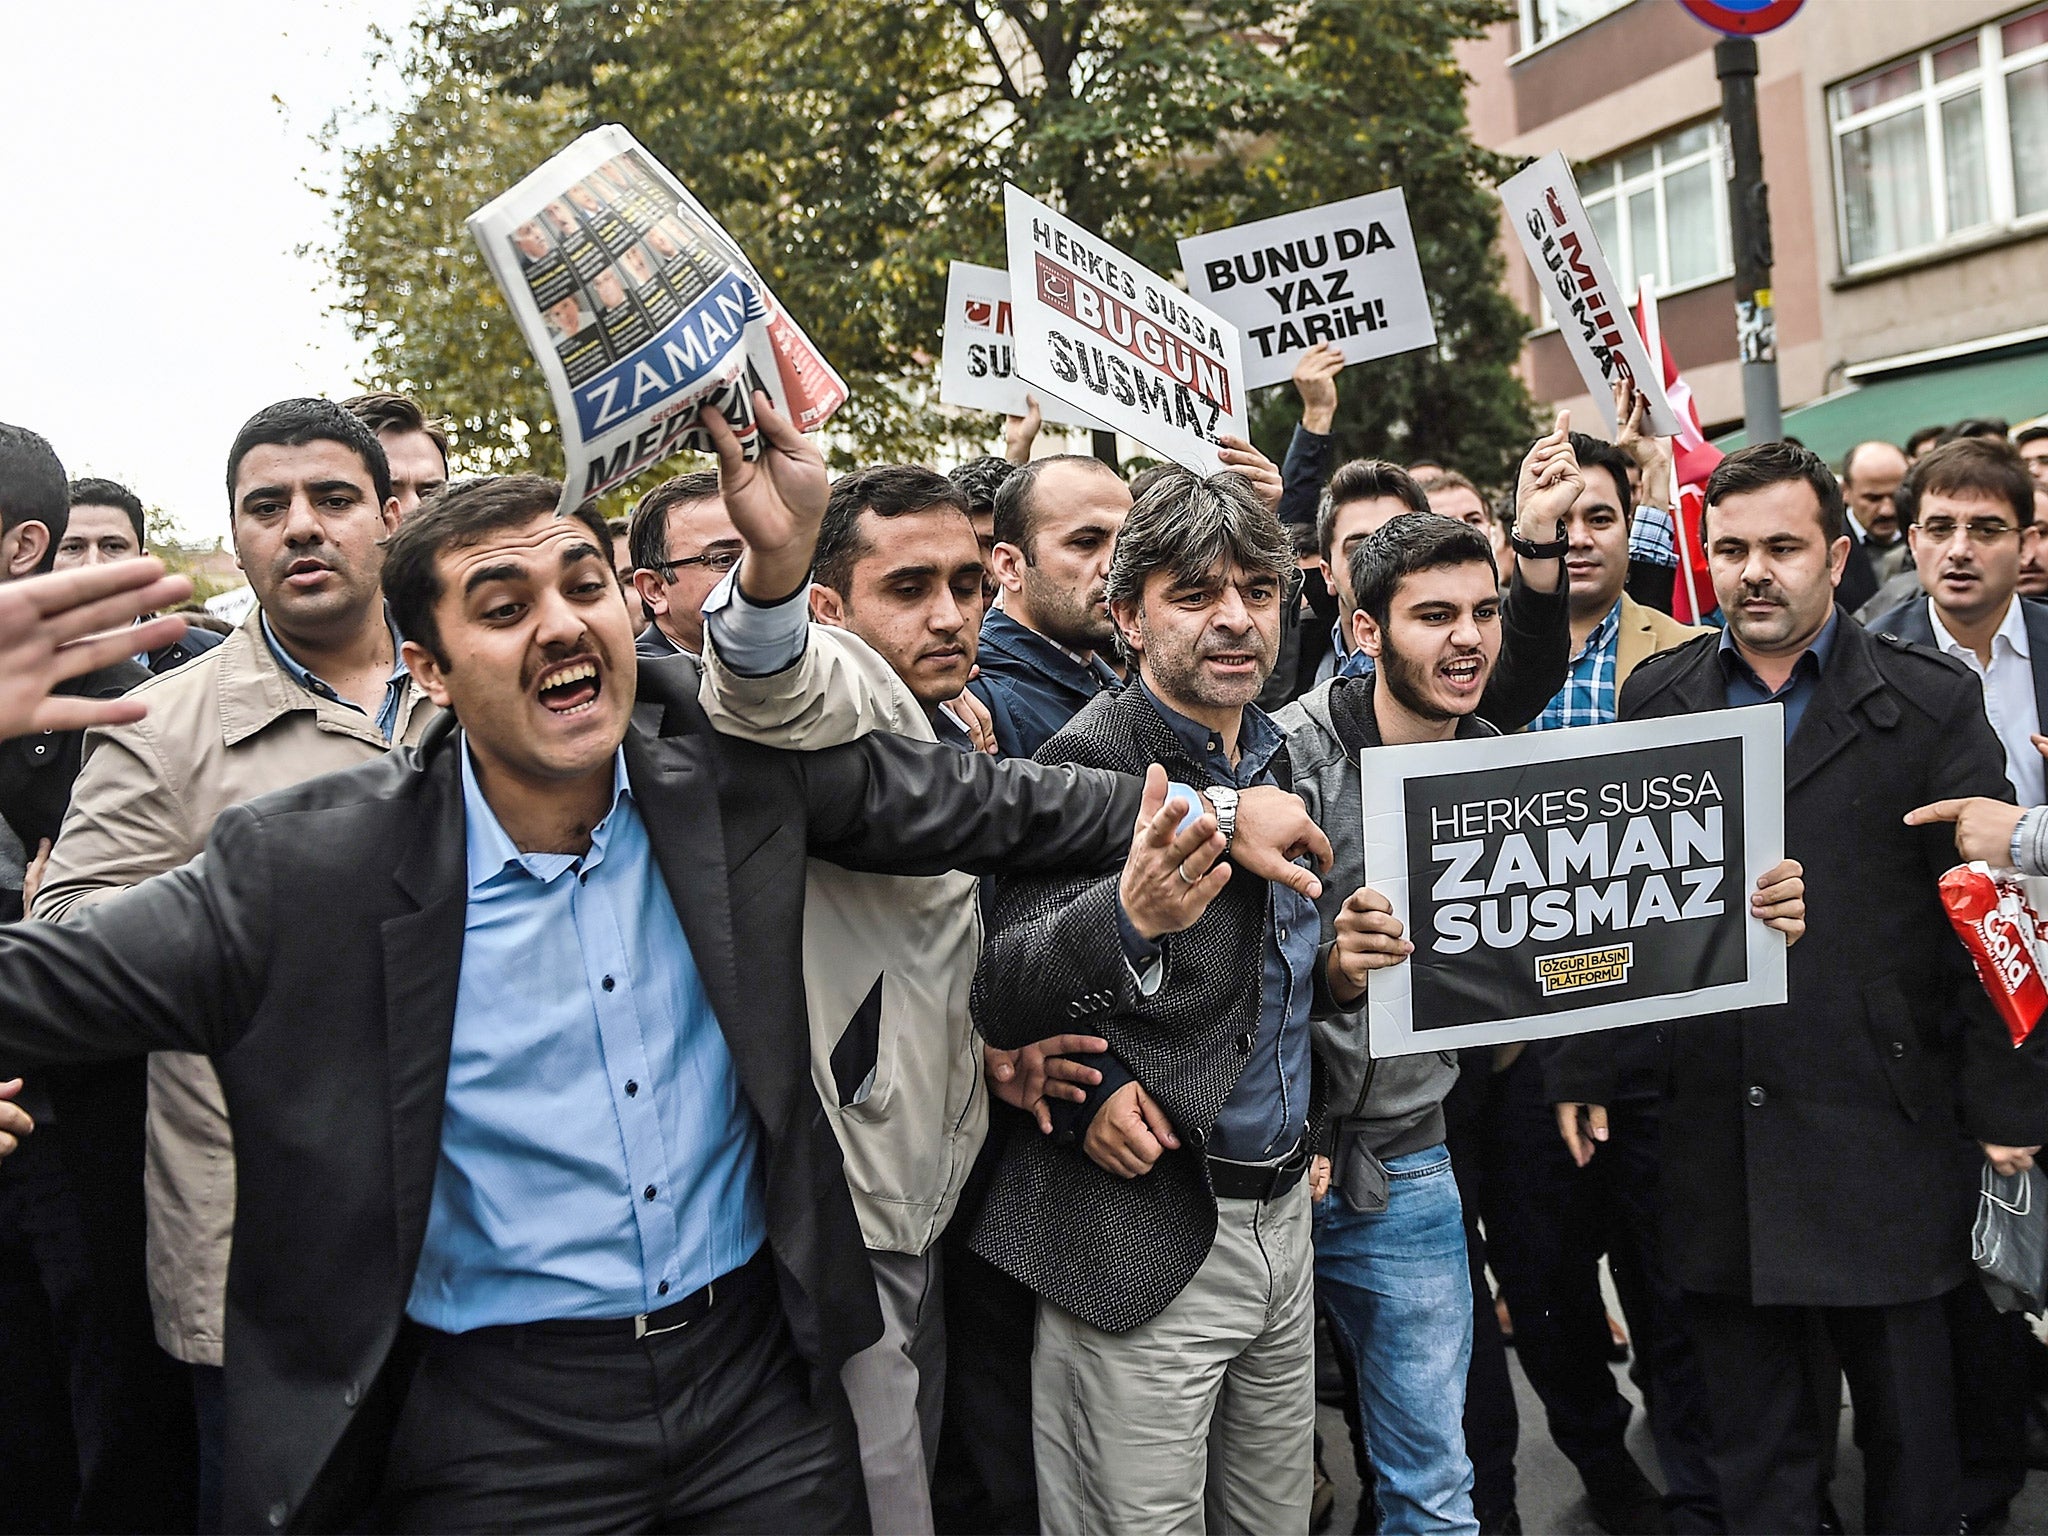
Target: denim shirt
(1265, 1114)
(394, 686)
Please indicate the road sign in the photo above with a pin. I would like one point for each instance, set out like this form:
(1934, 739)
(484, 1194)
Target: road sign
(1743, 18)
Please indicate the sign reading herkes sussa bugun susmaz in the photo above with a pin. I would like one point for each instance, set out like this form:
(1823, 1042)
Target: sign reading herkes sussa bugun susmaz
(1565, 881)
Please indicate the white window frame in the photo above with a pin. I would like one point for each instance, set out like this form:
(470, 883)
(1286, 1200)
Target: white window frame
(1988, 77)
(1531, 12)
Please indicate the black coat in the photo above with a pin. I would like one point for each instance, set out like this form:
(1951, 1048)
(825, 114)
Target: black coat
(1823, 1153)
(1115, 1251)
(314, 951)
(36, 772)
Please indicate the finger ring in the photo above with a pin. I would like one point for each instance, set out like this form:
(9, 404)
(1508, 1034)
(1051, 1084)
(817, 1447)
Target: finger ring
(1181, 869)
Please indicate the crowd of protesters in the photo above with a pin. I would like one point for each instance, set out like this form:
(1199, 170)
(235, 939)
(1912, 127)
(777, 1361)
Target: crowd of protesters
(841, 1004)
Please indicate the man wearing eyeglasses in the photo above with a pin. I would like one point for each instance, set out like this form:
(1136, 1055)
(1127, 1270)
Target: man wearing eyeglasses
(682, 541)
(1969, 514)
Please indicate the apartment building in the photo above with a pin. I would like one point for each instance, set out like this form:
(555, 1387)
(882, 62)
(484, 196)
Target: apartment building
(1906, 149)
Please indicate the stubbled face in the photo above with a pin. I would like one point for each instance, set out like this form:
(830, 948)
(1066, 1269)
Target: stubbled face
(1440, 642)
(1596, 561)
(2034, 552)
(1079, 513)
(536, 650)
(1356, 521)
(94, 536)
(1873, 480)
(1774, 570)
(676, 597)
(1207, 645)
(915, 595)
(1968, 580)
(308, 532)
(417, 468)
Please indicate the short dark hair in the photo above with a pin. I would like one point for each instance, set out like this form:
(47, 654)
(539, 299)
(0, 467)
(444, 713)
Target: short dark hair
(1186, 524)
(1977, 426)
(1016, 509)
(32, 488)
(93, 492)
(1363, 480)
(1597, 453)
(1975, 467)
(1762, 465)
(980, 479)
(1923, 436)
(647, 534)
(462, 515)
(383, 411)
(887, 490)
(2028, 435)
(1412, 542)
(295, 423)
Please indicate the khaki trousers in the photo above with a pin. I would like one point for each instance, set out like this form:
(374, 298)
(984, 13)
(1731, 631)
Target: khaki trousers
(896, 1387)
(1211, 1403)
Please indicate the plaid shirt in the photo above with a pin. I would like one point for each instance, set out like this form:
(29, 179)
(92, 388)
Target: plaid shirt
(1652, 537)
(1587, 697)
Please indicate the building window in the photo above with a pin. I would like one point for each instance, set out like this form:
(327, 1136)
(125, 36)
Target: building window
(1661, 210)
(1944, 146)
(1545, 20)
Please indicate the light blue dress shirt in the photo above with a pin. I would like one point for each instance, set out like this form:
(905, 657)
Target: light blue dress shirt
(598, 1158)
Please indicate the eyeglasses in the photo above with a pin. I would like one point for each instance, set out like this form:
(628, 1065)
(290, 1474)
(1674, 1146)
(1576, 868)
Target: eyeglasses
(719, 560)
(1982, 530)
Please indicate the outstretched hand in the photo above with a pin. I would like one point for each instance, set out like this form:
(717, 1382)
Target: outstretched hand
(1172, 875)
(776, 500)
(1043, 1070)
(68, 623)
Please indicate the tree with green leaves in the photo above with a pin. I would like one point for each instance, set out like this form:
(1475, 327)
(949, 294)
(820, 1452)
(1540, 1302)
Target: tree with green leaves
(855, 147)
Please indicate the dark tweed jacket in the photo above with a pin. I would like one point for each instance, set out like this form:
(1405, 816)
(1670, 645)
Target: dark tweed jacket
(1112, 1251)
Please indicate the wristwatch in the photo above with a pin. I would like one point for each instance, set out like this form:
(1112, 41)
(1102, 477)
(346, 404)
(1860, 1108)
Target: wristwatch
(1555, 550)
(1225, 803)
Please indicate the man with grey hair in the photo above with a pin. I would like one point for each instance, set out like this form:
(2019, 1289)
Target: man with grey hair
(1175, 1354)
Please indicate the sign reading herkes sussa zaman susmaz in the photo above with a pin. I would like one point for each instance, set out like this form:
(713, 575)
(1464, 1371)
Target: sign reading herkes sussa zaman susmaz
(1564, 881)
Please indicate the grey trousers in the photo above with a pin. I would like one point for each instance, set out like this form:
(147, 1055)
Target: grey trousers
(1210, 1404)
(896, 1386)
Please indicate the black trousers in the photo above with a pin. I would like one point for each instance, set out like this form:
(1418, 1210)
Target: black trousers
(1548, 1221)
(1492, 1426)
(96, 1422)
(1767, 1424)
(712, 1427)
(985, 1482)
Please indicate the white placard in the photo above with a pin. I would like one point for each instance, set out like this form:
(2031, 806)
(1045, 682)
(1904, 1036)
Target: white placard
(1587, 303)
(975, 364)
(1345, 273)
(1564, 881)
(1098, 330)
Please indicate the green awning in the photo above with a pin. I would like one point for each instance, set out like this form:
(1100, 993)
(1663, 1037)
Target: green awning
(2013, 385)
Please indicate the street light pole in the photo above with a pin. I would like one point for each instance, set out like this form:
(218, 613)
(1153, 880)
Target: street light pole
(1749, 225)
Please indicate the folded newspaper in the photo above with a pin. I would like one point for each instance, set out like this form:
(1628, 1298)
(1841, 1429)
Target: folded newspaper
(642, 311)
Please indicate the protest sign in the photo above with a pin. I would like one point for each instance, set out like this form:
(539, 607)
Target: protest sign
(1589, 306)
(1100, 331)
(1345, 273)
(975, 364)
(1565, 881)
(641, 311)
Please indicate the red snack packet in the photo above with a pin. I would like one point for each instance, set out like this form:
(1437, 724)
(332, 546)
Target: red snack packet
(1991, 916)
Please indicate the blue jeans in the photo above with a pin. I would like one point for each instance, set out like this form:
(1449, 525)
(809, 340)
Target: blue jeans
(1395, 1287)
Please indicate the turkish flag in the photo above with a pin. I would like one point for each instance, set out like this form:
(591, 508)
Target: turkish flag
(1692, 597)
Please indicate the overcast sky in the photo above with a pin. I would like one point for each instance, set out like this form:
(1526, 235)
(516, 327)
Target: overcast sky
(154, 165)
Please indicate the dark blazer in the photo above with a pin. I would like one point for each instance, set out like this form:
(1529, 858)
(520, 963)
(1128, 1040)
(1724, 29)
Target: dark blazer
(36, 772)
(197, 642)
(313, 950)
(1823, 1153)
(1909, 621)
(1859, 581)
(1119, 1249)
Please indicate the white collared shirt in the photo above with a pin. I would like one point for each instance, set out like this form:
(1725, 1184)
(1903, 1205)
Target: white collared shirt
(2009, 699)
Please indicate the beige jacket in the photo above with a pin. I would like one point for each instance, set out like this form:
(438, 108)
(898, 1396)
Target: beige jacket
(221, 729)
(912, 1132)
(1641, 633)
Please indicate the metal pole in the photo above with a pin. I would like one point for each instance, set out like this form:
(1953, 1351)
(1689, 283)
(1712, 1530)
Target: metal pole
(1749, 228)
